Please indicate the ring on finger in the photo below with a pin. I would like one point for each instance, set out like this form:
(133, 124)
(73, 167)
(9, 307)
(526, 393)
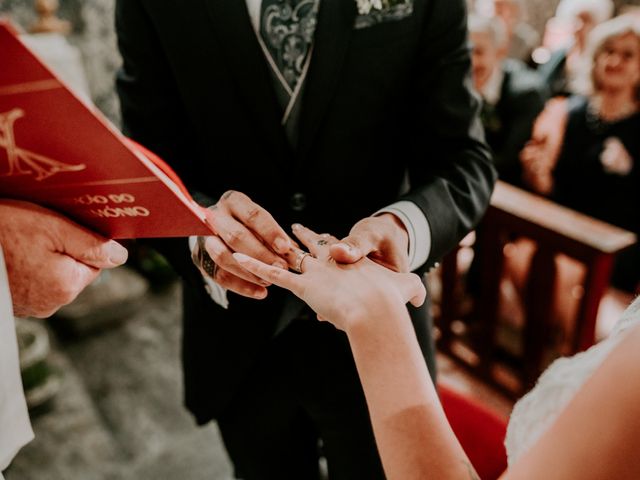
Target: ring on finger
(209, 266)
(300, 256)
(205, 261)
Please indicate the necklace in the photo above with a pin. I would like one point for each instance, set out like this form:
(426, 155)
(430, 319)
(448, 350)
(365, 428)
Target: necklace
(597, 122)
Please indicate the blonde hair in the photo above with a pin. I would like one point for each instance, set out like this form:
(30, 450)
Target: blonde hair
(600, 10)
(586, 83)
(492, 26)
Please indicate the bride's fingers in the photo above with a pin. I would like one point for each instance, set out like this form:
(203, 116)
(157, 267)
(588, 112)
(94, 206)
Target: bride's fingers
(317, 244)
(274, 275)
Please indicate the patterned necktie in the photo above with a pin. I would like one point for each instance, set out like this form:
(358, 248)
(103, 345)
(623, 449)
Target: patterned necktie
(287, 28)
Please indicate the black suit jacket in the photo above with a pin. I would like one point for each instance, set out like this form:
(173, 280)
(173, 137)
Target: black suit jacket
(378, 102)
(554, 74)
(522, 98)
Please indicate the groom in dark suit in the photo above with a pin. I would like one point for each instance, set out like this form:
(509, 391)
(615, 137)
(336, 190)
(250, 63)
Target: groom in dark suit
(354, 117)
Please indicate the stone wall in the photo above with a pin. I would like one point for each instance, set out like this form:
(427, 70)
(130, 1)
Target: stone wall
(93, 34)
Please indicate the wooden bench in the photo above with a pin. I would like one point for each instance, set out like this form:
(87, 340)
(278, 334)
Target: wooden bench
(515, 213)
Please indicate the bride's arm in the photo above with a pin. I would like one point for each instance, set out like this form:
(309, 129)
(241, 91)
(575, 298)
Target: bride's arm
(597, 436)
(368, 301)
(413, 435)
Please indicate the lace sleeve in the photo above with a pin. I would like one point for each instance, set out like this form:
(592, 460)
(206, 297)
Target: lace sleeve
(557, 386)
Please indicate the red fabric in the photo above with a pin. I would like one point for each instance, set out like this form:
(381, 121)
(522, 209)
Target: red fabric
(480, 431)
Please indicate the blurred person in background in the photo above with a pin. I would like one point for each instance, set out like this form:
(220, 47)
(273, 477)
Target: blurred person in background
(566, 42)
(513, 95)
(585, 150)
(521, 38)
(630, 10)
(46, 260)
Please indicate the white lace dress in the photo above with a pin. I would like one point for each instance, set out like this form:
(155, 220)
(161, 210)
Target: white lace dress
(556, 387)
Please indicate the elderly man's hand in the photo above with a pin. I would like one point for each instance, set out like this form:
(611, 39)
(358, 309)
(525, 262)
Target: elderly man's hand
(383, 239)
(50, 259)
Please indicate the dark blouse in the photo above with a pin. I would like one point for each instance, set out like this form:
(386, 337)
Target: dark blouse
(582, 183)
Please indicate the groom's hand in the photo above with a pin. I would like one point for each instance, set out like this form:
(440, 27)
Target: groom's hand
(383, 239)
(243, 226)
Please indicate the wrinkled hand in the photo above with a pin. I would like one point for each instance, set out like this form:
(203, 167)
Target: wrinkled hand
(537, 169)
(245, 227)
(343, 294)
(382, 238)
(50, 259)
(540, 155)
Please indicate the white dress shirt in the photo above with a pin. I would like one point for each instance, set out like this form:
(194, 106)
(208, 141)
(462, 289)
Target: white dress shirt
(15, 429)
(409, 213)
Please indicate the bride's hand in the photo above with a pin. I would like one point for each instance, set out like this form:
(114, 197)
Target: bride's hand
(341, 294)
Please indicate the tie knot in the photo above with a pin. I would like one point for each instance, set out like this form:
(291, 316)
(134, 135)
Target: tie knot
(287, 28)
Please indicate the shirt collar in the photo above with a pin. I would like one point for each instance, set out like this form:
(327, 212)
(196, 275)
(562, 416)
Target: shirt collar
(493, 88)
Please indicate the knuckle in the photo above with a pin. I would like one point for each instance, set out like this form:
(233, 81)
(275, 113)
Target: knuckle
(70, 285)
(66, 293)
(241, 197)
(227, 195)
(93, 253)
(275, 275)
(234, 237)
(254, 214)
(369, 222)
(375, 236)
(236, 198)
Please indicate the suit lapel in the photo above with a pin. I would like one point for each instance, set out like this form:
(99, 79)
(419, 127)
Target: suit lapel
(333, 32)
(246, 61)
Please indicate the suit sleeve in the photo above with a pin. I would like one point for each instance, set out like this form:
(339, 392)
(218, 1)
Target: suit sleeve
(526, 101)
(152, 113)
(453, 177)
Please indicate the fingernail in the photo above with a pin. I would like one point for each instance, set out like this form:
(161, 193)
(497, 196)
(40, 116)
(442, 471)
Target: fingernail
(346, 246)
(240, 257)
(281, 245)
(296, 226)
(117, 253)
(259, 295)
(354, 252)
(217, 248)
